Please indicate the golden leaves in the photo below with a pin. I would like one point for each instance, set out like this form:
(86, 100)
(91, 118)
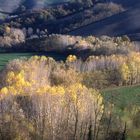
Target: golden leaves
(71, 58)
(15, 83)
(4, 91)
(32, 76)
(55, 90)
(125, 72)
(7, 29)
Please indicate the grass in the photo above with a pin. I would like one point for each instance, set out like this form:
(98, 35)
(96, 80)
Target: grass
(123, 96)
(6, 57)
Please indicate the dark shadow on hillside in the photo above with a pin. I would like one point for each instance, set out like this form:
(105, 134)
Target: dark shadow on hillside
(124, 23)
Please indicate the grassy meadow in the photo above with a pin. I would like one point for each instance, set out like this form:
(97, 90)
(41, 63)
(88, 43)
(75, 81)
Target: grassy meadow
(126, 101)
(6, 57)
(123, 96)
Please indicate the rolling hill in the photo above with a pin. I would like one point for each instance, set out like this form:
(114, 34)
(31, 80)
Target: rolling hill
(125, 23)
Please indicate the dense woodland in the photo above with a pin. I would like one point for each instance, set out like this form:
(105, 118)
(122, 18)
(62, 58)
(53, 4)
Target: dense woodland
(39, 97)
(46, 99)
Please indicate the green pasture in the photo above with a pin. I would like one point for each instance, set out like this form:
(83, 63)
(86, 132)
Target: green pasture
(125, 100)
(6, 57)
(123, 96)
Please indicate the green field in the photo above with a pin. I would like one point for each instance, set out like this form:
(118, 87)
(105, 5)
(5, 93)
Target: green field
(123, 96)
(6, 57)
(126, 101)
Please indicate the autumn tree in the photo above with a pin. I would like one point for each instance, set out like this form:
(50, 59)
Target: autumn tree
(30, 101)
(12, 37)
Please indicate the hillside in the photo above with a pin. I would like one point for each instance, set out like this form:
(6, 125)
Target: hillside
(127, 22)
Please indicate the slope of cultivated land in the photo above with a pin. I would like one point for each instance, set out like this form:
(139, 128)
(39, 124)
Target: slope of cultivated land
(123, 97)
(126, 101)
(127, 22)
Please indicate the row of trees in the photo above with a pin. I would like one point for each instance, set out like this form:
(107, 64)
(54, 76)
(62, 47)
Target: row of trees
(104, 45)
(106, 70)
(96, 13)
(90, 45)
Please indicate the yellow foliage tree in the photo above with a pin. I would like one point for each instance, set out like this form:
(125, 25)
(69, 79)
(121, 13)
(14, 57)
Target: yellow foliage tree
(71, 58)
(125, 73)
(58, 111)
(7, 29)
